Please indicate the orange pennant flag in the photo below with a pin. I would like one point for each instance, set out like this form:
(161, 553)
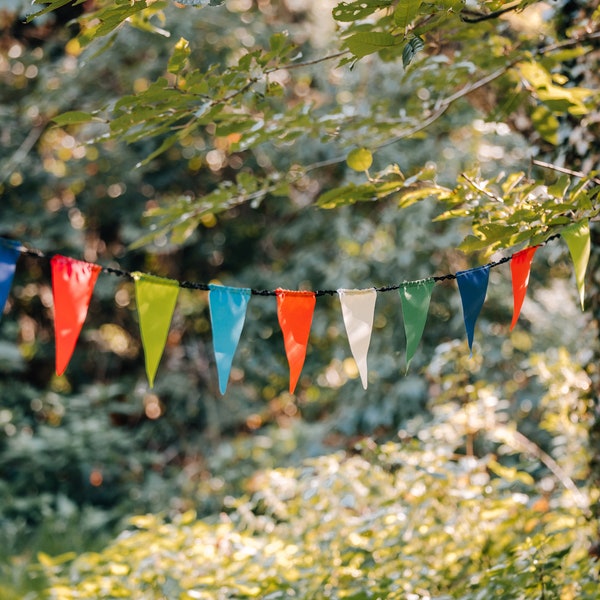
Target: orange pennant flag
(295, 312)
(520, 266)
(73, 282)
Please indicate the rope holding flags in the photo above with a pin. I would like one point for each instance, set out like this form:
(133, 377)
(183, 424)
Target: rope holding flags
(73, 284)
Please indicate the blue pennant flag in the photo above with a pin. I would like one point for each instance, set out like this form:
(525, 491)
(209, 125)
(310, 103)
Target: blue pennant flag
(227, 314)
(9, 253)
(473, 287)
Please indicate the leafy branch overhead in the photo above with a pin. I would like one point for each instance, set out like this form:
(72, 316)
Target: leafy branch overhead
(267, 99)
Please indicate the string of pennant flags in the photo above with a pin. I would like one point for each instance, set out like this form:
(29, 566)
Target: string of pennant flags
(73, 284)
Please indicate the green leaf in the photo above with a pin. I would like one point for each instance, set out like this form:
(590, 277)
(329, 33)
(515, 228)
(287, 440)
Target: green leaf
(360, 159)
(50, 6)
(277, 42)
(560, 187)
(410, 50)
(420, 191)
(405, 12)
(236, 124)
(354, 11)
(472, 244)
(73, 117)
(180, 55)
(546, 124)
(366, 42)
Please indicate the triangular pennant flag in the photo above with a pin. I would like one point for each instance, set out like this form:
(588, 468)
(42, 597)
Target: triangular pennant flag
(415, 297)
(520, 266)
(358, 310)
(155, 298)
(295, 312)
(73, 283)
(9, 253)
(227, 314)
(473, 287)
(577, 237)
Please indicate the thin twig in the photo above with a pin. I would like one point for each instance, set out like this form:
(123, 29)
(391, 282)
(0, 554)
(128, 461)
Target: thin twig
(564, 170)
(28, 143)
(480, 189)
(308, 63)
(524, 444)
(478, 17)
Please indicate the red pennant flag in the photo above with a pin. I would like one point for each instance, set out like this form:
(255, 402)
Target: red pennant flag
(520, 266)
(295, 312)
(72, 286)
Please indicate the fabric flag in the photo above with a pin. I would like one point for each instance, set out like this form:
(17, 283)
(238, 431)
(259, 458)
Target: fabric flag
(73, 283)
(358, 310)
(577, 237)
(415, 297)
(473, 287)
(520, 266)
(9, 253)
(227, 314)
(295, 312)
(155, 298)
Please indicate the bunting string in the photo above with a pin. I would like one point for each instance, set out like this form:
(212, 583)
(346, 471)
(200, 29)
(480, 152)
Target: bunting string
(192, 285)
(156, 297)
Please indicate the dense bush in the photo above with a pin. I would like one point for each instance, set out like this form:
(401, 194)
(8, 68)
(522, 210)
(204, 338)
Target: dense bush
(416, 518)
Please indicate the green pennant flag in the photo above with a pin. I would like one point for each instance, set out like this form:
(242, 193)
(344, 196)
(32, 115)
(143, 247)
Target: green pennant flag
(415, 297)
(577, 237)
(155, 298)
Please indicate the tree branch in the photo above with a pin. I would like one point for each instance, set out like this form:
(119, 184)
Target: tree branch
(478, 17)
(28, 143)
(564, 170)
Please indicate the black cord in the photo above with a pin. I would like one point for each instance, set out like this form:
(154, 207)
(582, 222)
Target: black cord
(35, 253)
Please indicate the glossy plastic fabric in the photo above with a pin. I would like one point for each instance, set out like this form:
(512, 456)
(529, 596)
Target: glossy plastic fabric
(295, 311)
(577, 237)
(73, 283)
(520, 267)
(358, 310)
(156, 298)
(9, 254)
(473, 288)
(415, 297)
(227, 315)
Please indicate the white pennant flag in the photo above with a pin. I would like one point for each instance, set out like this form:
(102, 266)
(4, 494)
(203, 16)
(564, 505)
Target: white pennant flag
(358, 309)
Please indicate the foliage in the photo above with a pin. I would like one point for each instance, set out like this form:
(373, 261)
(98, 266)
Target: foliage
(252, 100)
(415, 518)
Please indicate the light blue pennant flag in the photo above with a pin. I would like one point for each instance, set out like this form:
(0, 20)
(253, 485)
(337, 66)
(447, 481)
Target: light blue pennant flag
(227, 314)
(473, 288)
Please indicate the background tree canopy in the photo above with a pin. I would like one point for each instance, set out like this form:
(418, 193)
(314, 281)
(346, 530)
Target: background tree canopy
(302, 145)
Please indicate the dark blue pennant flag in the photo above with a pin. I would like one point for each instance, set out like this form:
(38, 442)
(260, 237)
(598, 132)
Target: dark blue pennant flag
(9, 252)
(473, 287)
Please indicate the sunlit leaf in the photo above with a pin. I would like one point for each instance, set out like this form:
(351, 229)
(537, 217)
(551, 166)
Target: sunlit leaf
(364, 43)
(405, 12)
(353, 11)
